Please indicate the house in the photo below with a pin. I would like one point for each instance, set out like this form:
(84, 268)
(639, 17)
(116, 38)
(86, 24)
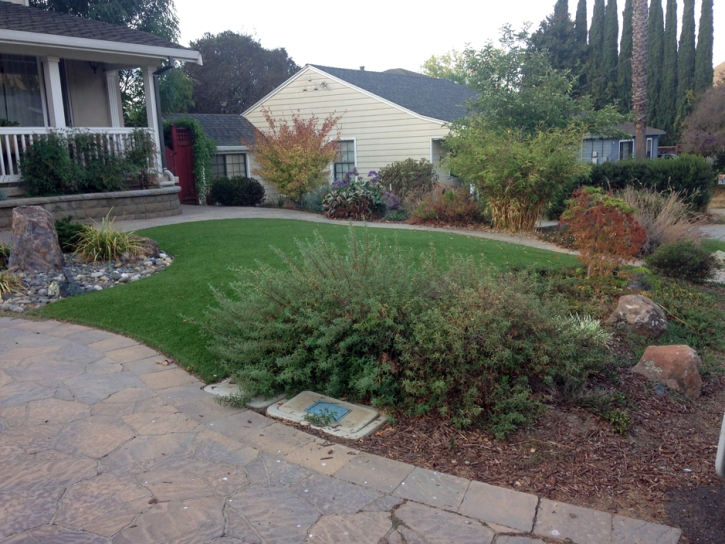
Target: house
(60, 72)
(719, 74)
(598, 149)
(386, 116)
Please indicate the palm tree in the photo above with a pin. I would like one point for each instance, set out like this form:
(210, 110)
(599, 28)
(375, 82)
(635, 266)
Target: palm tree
(639, 77)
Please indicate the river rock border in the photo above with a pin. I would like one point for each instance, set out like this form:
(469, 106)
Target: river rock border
(40, 288)
(123, 205)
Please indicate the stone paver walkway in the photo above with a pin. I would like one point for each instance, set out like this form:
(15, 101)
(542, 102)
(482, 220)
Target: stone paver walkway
(100, 443)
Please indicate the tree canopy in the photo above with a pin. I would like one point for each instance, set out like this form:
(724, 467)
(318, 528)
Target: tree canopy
(237, 72)
(704, 132)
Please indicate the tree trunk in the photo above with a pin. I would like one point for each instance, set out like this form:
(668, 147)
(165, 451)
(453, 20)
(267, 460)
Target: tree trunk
(639, 77)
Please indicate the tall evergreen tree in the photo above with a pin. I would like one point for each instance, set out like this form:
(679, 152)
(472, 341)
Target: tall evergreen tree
(624, 67)
(595, 75)
(611, 50)
(556, 36)
(686, 62)
(668, 95)
(580, 39)
(655, 56)
(704, 71)
(639, 76)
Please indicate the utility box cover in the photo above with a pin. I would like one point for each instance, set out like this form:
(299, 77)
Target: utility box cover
(227, 389)
(349, 420)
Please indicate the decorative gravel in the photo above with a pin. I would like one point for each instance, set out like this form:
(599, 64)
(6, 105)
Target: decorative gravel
(41, 288)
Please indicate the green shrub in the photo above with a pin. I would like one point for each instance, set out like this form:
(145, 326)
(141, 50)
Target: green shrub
(686, 260)
(396, 215)
(448, 205)
(105, 243)
(690, 176)
(236, 191)
(313, 200)
(368, 323)
(356, 200)
(68, 233)
(408, 178)
(47, 169)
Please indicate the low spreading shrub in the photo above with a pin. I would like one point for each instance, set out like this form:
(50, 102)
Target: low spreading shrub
(605, 230)
(313, 200)
(408, 179)
(685, 260)
(236, 191)
(448, 205)
(370, 323)
(105, 243)
(688, 175)
(665, 217)
(352, 198)
(68, 233)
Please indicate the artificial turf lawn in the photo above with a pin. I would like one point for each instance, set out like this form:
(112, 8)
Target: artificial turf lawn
(155, 309)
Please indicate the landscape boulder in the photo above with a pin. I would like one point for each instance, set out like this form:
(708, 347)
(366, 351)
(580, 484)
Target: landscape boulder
(641, 315)
(35, 242)
(677, 367)
(148, 246)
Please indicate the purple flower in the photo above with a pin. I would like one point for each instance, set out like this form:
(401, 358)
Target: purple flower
(391, 201)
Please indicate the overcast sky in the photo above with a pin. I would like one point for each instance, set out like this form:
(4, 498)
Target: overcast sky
(378, 34)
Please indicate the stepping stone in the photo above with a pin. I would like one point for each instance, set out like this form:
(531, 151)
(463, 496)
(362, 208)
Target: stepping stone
(347, 420)
(227, 389)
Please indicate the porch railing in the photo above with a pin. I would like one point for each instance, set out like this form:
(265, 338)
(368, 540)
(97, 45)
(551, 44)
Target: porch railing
(14, 141)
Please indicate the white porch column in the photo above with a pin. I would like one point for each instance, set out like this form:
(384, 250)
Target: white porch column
(114, 98)
(150, 95)
(54, 92)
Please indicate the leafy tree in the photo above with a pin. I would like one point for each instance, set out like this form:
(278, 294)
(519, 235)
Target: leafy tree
(237, 72)
(611, 51)
(451, 65)
(595, 75)
(704, 128)
(294, 156)
(655, 60)
(639, 75)
(624, 66)
(668, 95)
(686, 61)
(556, 36)
(704, 71)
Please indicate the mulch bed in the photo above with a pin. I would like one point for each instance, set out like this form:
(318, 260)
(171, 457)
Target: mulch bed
(658, 471)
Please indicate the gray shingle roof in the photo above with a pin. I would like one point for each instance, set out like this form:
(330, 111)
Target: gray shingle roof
(628, 128)
(437, 98)
(224, 128)
(30, 19)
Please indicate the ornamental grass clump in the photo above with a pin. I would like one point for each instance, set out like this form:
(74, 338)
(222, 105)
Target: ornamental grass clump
(372, 323)
(105, 243)
(9, 282)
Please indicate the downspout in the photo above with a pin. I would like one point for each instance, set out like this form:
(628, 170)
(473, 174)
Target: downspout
(159, 118)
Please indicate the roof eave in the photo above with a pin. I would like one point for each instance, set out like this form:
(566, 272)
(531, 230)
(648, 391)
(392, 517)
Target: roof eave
(36, 39)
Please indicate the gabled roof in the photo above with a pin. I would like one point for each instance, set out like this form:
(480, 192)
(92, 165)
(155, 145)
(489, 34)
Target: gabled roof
(427, 96)
(628, 128)
(227, 130)
(19, 23)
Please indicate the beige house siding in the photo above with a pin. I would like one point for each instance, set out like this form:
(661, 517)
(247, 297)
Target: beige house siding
(383, 133)
(88, 95)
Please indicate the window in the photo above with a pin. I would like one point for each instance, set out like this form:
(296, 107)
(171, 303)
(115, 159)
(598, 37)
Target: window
(626, 149)
(229, 165)
(649, 148)
(20, 100)
(346, 162)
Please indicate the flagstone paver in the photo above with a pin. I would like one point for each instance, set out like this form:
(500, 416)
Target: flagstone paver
(100, 443)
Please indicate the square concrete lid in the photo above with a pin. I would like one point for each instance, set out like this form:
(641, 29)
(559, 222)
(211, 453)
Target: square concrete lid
(227, 389)
(357, 423)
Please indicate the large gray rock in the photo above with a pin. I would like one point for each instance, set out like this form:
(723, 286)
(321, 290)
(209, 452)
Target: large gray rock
(35, 242)
(677, 367)
(641, 315)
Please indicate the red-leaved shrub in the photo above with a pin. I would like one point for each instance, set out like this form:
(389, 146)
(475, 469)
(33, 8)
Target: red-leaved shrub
(448, 205)
(605, 230)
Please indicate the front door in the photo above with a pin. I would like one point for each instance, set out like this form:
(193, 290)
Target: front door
(182, 149)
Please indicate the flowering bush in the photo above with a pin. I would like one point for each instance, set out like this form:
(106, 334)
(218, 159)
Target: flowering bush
(605, 230)
(448, 205)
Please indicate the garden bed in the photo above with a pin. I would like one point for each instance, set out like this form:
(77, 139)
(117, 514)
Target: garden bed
(122, 205)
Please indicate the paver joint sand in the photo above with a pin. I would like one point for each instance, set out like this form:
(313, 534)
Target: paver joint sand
(97, 445)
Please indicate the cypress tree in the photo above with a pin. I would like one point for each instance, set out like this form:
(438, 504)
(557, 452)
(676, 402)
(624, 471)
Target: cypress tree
(686, 61)
(668, 96)
(597, 83)
(611, 50)
(581, 43)
(655, 58)
(624, 67)
(704, 71)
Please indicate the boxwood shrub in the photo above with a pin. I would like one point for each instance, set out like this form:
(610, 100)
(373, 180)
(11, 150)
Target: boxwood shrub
(686, 260)
(236, 191)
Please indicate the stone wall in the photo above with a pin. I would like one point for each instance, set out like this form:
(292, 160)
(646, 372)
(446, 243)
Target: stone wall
(143, 204)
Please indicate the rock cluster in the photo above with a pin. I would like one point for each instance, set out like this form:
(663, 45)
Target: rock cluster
(41, 288)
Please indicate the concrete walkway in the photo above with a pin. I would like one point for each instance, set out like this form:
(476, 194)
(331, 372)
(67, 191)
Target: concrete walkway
(100, 443)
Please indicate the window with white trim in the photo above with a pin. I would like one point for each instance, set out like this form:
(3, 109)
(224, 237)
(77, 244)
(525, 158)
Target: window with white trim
(346, 161)
(229, 165)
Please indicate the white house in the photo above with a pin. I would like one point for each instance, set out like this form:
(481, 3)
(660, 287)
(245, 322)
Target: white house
(61, 72)
(386, 116)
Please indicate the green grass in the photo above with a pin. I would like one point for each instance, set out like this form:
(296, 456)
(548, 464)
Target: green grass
(155, 309)
(714, 245)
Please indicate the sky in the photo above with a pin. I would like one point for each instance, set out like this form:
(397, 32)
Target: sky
(379, 34)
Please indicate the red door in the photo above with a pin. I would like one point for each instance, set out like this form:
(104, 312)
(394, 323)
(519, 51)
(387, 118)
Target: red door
(180, 161)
